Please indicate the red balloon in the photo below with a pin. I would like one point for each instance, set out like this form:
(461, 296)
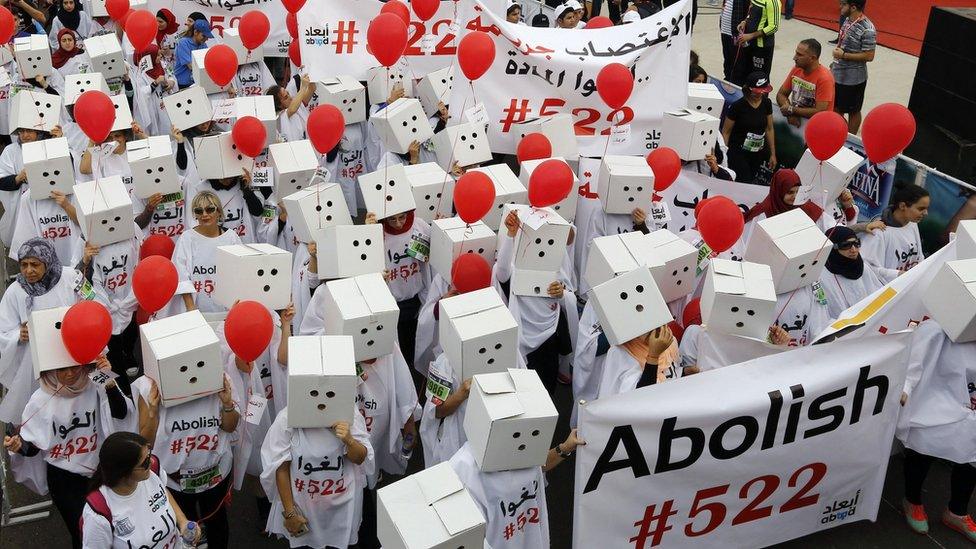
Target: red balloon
(720, 223)
(474, 194)
(157, 244)
(398, 8)
(250, 135)
(95, 114)
(386, 38)
(699, 206)
(295, 53)
(85, 330)
(154, 282)
(550, 182)
(248, 330)
(221, 64)
(6, 25)
(141, 27)
(291, 23)
(470, 272)
(125, 17)
(533, 146)
(425, 9)
(887, 130)
(293, 6)
(254, 29)
(325, 127)
(614, 83)
(599, 22)
(475, 54)
(825, 133)
(117, 9)
(666, 165)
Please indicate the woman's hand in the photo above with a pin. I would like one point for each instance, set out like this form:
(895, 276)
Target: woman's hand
(154, 398)
(778, 336)
(296, 525)
(414, 152)
(246, 178)
(13, 444)
(396, 93)
(512, 223)
(226, 398)
(24, 335)
(571, 442)
(177, 134)
(21, 177)
(91, 251)
(287, 314)
(102, 364)
(153, 201)
(876, 225)
(342, 432)
(658, 341)
(556, 289)
(370, 218)
(60, 199)
(639, 216)
(137, 131)
(846, 199)
(56, 131)
(773, 162)
(312, 249)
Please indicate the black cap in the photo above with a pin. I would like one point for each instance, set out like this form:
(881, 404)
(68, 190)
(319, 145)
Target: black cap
(758, 82)
(541, 20)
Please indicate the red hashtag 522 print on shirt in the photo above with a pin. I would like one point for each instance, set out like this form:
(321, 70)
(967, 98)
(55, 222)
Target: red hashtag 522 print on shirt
(529, 516)
(587, 121)
(200, 443)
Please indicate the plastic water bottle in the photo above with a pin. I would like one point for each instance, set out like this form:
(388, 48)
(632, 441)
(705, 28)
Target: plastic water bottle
(407, 449)
(190, 535)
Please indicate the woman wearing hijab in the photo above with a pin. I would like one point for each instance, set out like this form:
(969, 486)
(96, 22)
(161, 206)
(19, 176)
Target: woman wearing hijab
(70, 16)
(845, 280)
(166, 27)
(898, 247)
(783, 189)
(154, 84)
(65, 57)
(638, 363)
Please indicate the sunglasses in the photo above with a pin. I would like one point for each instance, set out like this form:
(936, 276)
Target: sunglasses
(145, 463)
(848, 244)
(209, 209)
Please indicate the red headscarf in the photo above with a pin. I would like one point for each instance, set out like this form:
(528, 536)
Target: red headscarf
(60, 56)
(407, 225)
(783, 181)
(171, 25)
(152, 50)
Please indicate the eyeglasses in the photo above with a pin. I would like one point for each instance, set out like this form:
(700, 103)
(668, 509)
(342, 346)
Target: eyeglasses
(209, 209)
(848, 244)
(145, 463)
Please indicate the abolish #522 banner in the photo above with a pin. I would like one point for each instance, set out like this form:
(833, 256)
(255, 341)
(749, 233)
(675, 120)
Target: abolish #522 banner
(745, 456)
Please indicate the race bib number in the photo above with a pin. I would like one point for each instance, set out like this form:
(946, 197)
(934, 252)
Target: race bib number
(754, 142)
(419, 246)
(86, 291)
(704, 256)
(194, 481)
(438, 388)
(818, 293)
(170, 200)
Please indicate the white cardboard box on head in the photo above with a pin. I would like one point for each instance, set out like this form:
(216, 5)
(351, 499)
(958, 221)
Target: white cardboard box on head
(262, 108)
(629, 305)
(123, 116)
(466, 144)
(232, 39)
(478, 333)
(567, 206)
(738, 298)
(34, 111)
(823, 183)
(625, 183)
(402, 123)
(105, 53)
(705, 98)
(256, 272)
(96, 8)
(350, 250)
(217, 157)
(616, 254)
(540, 243)
(362, 307)
(321, 381)
(77, 84)
(531, 283)
(46, 346)
(153, 167)
(434, 88)
(951, 299)
(104, 211)
(181, 354)
(199, 72)
(793, 246)
(433, 190)
(188, 108)
(677, 277)
(509, 420)
(294, 163)
(346, 94)
(429, 509)
(451, 237)
(33, 55)
(558, 128)
(691, 134)
(314, 208)
(381, 80)
(508, 190)
(387, 191)
(49, 167)
(966, 239)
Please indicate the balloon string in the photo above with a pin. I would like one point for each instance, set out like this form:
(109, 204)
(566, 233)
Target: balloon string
(386, 165)
(46, 402)
(450, 165)
(785, 305)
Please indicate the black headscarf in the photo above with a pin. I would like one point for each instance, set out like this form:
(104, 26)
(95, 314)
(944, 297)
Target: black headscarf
(837, 263)
(70, 19)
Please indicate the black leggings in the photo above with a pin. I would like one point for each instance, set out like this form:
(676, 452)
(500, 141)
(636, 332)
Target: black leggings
(204, 504)
(961, 483)
(68, 492)
(367, 528)
(545, 359)
(122, 354)
(407, 327)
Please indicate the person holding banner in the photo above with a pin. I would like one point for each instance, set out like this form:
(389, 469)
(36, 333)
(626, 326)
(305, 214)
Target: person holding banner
(846, 278)
(292, 111)
(898, 247)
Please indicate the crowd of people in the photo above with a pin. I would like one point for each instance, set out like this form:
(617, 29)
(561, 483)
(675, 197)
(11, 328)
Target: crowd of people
(128, 464)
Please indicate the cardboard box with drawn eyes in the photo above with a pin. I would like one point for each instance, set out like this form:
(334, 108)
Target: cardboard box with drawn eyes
(387, 191)
(402, 123)
(466, 144)
(509, 420)
(478, 333)
(362, 307)
(295, 163)
(617, 254)
(625, 183)
(430, 509)
(539, 249)
(123, 116)
(35, 111)
(153, 167)
(706, 99)
(381, 80)
(262, 108)
(232, 38)
(256, 272)
(104, 211)
(314, 208)
(217, 157)
(96, 8)
(793, 246)
(677, 277)
(77, 84)
(508, 190)
(346, 94)
(738, 298)
(33, 55)
(565, 207)
(433, 190)
(105, 53)
(181, 354)
(48, 166)
(350, 250)
(435, 88)
(451, 237)
(321, 381)
(966, 239)
(629, 305)
(692, 135)
(46, 346)
(199, 72)
(951, 299)
(558, 128)
(188, 108)
(823, 182)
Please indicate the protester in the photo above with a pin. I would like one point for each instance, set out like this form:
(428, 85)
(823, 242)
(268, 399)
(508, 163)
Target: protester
(897, 247)
(846, 278)
(196, 251)
(197, 38)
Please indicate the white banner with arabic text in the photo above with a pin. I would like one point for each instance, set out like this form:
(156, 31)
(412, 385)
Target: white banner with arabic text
(223, 14)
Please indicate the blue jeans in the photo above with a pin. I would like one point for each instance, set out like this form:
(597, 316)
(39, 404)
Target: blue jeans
(788, 8)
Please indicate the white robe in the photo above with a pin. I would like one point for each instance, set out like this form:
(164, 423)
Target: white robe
(112, 271)
(387, 398)
(426, 346)
(802, 314)
(11, 163)
(442, 437)
(195, 258)
(893, 250)
(45, 219)
(842, 292)
(587, 360)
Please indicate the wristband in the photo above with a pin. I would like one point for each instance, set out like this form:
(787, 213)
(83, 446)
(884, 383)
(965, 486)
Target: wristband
(562, 454)
(227, 409)
(289, 514)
